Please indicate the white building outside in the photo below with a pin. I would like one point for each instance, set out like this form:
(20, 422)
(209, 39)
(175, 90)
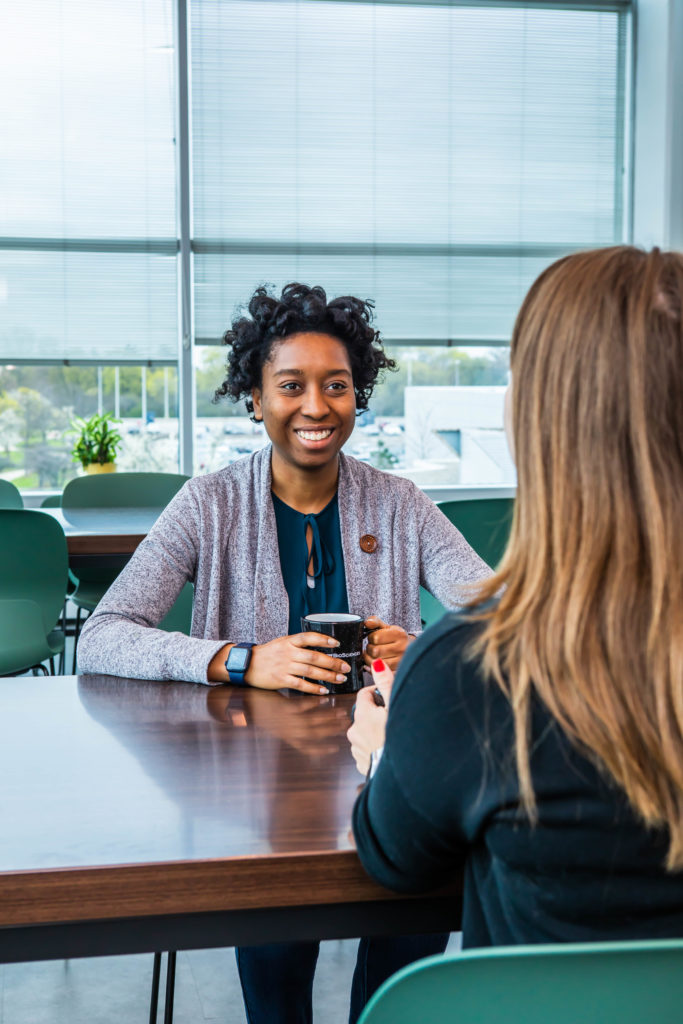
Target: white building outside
(454, 435)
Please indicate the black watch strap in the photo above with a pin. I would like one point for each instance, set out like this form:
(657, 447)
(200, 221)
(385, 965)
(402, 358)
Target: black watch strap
(237, 663)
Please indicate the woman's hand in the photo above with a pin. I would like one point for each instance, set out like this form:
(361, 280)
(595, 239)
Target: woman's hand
(283, 662)
(369, 720)
(385, 642)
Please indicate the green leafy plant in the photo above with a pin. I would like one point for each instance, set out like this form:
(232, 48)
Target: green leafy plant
(97, 441)
(382, 457)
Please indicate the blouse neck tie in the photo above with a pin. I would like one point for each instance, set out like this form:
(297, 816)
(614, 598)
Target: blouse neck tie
(323, 564)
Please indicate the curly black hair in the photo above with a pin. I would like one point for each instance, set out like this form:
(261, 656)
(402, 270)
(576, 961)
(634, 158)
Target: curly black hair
(300, 309)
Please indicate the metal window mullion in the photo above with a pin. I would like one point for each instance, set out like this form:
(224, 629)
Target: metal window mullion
(186, 388)
(623, 111)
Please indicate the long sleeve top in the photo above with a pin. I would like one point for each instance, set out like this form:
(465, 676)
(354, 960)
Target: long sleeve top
(220, 533)
(446, 795)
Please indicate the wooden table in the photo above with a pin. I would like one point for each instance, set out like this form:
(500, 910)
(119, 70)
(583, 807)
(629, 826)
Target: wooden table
(107, 536)
(144, 815)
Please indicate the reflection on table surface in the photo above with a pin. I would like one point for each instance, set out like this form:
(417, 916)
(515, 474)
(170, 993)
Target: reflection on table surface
(102, 770)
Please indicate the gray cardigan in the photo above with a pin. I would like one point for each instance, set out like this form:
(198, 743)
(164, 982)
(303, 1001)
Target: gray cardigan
(219, 532)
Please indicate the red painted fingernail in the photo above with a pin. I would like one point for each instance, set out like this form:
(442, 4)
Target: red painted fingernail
(379, 665)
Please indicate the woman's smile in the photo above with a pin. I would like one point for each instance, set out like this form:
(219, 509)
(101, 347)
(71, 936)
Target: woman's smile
(314, 437)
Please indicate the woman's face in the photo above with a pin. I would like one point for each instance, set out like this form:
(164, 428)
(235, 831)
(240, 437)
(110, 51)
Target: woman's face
(306, 399)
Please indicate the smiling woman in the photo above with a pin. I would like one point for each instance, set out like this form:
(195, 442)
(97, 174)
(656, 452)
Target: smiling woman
(294, 529)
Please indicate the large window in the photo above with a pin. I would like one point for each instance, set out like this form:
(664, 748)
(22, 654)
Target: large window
(433, 157)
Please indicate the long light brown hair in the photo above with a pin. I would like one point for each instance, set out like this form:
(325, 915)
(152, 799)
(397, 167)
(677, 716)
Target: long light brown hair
(590, 619)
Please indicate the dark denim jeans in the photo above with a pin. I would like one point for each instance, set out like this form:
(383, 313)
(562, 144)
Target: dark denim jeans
(277, 980)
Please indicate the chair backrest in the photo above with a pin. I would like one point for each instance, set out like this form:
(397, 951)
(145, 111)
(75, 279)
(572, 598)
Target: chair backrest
(576, 983)
(10, 496)
(52, 501)
(179, 618)
(122, 490)
(431, 609)
(33, 561)
(484, 523)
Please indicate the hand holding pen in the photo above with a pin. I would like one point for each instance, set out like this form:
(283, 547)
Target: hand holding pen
(366, 734)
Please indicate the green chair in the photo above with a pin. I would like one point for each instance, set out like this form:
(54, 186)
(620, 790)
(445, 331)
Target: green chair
(52, 501)
(33, 576)
(576, 983)
(122, 490)
(485, 525)
(10, 496)
(431, 610)
(179, 618)
(111, 490)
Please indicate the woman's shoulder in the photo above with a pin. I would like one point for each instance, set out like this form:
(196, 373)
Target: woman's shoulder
(242, 475)
(455, 631)
(442, 656)
(378, 481)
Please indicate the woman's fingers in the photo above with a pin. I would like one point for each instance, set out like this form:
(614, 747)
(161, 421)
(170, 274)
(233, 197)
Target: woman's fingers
(320, 666)
(396, 646)
(383, 678)
(374, 622)
(297, 683)
(388, 643)
(367, 731)
(313, 640)
(386, 635)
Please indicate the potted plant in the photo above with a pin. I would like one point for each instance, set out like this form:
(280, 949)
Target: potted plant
(97, 443)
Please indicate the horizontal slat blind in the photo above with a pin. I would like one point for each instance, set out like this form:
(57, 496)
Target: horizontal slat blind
(87, 103)
(433, 158)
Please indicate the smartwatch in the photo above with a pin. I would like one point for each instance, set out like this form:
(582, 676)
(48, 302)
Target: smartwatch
(237, 663)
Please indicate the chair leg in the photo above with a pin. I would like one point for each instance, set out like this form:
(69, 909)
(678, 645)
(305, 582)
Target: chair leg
(52, 666)
(62, 656)
(154, 1001)
(77, 630)
(170, 986)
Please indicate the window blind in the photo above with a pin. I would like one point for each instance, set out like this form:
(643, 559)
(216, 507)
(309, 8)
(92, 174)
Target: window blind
(433, 157)
(87, 181)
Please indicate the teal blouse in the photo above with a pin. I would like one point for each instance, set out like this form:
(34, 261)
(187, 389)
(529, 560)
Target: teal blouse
(325, 590)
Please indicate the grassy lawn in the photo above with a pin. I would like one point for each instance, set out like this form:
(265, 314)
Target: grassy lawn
(29, 482)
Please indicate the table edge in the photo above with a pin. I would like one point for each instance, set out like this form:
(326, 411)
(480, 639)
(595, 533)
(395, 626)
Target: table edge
(45, 896)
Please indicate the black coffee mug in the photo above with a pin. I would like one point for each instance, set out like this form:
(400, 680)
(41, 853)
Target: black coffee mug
(350, 631)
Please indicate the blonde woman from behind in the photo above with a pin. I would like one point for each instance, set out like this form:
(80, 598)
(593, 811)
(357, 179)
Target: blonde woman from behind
(537, 739)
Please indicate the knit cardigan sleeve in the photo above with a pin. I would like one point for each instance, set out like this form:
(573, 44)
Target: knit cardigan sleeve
(449, 567)
(119, 637)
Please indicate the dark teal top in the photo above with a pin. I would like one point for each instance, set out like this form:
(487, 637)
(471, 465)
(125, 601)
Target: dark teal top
(328, 593)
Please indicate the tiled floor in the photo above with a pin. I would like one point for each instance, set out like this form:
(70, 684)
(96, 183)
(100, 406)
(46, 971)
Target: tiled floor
(115, 990)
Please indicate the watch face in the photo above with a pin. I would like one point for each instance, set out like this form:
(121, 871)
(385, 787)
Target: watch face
(238, 657)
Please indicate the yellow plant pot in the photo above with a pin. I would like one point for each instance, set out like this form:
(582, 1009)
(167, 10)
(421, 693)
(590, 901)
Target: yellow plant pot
(100, 467)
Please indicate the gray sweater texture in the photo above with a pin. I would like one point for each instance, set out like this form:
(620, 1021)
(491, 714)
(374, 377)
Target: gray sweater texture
(219, 533)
